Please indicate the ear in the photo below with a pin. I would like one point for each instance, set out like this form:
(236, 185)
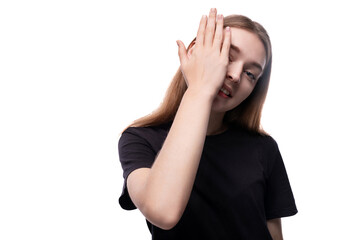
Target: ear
(191, 48)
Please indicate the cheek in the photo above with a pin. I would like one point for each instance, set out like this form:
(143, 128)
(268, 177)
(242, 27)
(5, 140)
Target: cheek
(245, 89)
(250, 90)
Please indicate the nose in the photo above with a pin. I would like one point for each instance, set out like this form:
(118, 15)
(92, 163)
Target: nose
(234, 73)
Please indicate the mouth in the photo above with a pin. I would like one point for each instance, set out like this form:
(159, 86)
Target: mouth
(223, 95)
(226, 91)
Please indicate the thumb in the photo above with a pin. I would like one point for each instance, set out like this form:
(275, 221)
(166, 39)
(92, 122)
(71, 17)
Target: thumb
(182, 52)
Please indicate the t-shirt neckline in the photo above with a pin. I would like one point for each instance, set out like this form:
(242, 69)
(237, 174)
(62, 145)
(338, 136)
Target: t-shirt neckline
(218, 134)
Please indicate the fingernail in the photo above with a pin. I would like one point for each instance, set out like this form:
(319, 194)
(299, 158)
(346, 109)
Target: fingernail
(228, 28)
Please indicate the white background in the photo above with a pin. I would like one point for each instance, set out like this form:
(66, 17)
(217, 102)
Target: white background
(75, 73)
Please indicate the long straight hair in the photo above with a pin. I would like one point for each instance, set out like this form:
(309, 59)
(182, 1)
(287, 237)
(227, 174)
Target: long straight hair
(246, 115)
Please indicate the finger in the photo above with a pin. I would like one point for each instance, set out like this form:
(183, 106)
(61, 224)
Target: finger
(210, 28)
(201, 31)
(218, 38)
(226, 44)
(182, 52)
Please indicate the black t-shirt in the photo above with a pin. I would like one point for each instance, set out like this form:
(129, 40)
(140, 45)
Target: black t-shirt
(241, 183)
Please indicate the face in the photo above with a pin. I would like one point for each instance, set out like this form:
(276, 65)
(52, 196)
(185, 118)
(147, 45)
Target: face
(247, 58)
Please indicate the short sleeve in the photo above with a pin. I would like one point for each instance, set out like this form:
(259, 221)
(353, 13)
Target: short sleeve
(279, 198)
(134, 152)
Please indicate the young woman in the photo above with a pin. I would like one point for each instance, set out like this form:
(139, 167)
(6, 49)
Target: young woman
(200, 166)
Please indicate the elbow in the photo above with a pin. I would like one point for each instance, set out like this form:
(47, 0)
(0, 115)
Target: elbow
(168, 224)
(162, 217)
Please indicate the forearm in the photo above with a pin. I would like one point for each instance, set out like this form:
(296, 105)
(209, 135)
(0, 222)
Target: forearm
(173, 173)
(274, 226)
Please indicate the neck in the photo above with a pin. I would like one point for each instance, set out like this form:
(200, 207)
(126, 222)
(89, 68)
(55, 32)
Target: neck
(216, 125)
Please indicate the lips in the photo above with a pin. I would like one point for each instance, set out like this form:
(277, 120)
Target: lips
(227, 88)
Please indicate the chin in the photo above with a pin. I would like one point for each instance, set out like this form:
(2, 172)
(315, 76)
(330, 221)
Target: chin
(221, 109)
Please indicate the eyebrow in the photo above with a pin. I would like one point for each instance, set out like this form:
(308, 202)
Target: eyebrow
(237, 50)
(257, 65)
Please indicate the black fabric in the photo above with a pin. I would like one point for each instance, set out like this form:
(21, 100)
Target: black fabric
(241, 182)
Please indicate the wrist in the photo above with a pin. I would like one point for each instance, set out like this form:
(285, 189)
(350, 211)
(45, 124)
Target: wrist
(200, 94)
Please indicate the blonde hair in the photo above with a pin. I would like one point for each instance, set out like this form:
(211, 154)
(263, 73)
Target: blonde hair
(246, 115)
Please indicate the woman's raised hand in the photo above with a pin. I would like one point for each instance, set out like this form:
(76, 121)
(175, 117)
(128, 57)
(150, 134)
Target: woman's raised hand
(205, 68)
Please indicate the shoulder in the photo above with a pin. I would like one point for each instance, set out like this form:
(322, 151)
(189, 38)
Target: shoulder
(269, 142)
(150, 135)
(263, 143)
(148, 131)
(260, 138)
(269, 145)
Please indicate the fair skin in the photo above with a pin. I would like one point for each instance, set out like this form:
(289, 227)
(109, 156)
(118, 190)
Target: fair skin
(274, 226)
(247, 60)
(161, 192)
